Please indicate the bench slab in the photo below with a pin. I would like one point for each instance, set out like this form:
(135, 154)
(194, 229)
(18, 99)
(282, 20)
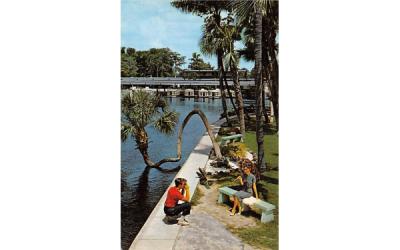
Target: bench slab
(267, 209)
(264, 205)
(224, 193)
(235, 138)
(267, 214)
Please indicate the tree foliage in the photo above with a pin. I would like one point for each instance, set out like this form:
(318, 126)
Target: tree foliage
(197, 63)
(156, 62)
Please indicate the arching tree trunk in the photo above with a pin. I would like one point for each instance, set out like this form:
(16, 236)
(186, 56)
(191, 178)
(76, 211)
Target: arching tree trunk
(179, 143)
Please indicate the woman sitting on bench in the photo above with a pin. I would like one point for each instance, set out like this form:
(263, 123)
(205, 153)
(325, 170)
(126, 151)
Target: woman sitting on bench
(249, 189)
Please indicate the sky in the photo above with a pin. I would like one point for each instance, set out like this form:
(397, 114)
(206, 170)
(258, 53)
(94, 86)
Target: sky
(149, 24)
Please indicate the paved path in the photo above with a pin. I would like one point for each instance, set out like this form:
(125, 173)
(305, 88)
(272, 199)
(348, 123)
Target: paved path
(155, 234)
(205, 232)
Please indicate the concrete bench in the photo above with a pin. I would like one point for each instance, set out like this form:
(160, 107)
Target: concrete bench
(267, 209)
(231, 138)
(224, 193)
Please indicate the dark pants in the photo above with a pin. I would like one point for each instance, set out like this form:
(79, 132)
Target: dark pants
(183, 208)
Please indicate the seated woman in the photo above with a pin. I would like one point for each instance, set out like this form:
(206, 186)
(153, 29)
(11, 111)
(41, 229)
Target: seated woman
(249, 189)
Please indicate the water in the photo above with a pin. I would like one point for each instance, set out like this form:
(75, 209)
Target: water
(141, 189)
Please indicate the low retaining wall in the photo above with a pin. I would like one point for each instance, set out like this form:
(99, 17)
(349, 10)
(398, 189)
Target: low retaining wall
(155, 234)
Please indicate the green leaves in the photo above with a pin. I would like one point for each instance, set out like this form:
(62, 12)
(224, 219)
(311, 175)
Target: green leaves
(156, 62)
(126, 130)
(197, 63)
(167, 122)
(140, 108)
(128, 65)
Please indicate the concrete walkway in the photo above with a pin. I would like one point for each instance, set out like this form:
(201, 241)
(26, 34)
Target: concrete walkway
(155, 234)
(207, 233)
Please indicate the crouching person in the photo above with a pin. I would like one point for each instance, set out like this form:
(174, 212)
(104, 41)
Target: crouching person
(175, 194)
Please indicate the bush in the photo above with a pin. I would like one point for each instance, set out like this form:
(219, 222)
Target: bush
(234, 150)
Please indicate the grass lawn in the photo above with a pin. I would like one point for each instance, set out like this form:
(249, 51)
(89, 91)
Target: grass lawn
(262, 235)
(271, 150)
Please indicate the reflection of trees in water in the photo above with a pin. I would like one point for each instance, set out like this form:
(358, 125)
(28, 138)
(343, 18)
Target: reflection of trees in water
(143, 185)
(134, 207)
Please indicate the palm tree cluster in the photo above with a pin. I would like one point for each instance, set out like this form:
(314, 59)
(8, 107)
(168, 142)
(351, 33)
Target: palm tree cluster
(255, 22)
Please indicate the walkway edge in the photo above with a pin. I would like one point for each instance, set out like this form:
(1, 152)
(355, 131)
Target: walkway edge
(155, 234)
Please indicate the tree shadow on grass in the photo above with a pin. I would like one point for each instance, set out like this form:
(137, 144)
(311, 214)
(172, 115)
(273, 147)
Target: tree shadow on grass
(269, 129)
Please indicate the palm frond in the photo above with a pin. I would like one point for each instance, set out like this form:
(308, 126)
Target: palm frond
(167, 122)
(126, 130)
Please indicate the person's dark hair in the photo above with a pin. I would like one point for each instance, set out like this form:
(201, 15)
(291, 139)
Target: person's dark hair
(178, 181)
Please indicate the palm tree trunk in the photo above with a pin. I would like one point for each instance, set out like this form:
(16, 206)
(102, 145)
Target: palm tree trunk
(259, 90)
(229, 93)
(264, 106)
(142, 141)
(203, 117)
(266, 75)
(275, 90)
(239, 98)
(271, 66)
(271, 71)
(221, 85)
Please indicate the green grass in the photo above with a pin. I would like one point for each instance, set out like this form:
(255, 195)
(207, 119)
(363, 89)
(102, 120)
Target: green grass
(271, 147)
(262, 235)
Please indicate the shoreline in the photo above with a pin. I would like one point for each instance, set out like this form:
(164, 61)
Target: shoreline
(154, 229)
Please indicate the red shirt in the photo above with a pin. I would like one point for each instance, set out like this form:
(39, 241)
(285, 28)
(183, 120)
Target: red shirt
(173, 196)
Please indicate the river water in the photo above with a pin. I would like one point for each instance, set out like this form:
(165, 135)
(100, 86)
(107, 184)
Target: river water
(141, 189)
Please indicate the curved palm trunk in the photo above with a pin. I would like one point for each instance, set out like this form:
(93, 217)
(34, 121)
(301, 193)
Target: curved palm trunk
(179, 143)
(259, 90)
(239, 97)
(142, 141)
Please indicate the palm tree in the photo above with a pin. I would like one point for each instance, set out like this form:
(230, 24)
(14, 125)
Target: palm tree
(244, 9)
(270, 29)
(209, 9)
(140, 109)
(259, 91)
(203, 117)
(231, 58)
(223, 37)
